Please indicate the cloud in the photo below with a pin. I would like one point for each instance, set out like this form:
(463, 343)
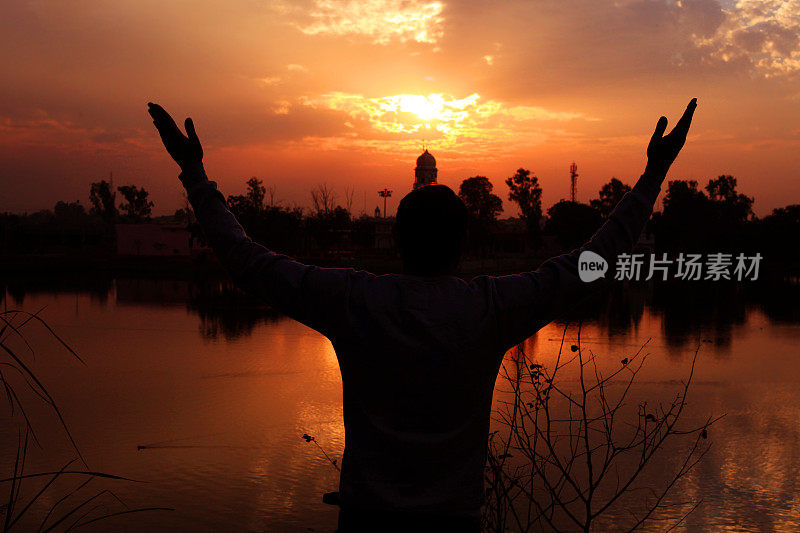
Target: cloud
(397, 121)
(383, 21)
(282, 107)
(43, 130)
(554, 50)
(764, 34)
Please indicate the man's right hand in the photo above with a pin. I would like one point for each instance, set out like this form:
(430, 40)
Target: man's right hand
(663, 149)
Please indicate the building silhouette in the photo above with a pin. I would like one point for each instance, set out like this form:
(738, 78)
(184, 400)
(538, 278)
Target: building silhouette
(425, 172)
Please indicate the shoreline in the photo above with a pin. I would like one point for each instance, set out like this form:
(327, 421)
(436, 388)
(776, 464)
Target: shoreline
(207, 265)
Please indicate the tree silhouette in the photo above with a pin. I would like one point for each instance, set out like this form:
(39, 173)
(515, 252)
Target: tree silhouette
(609, 196)
(482, 208)
(682, 195)
(524, 190)
(722, 216)
(778, 228)
(685, 210)
(734, 207)
(722, 189)
(265, 221)
(251, 203)
(476, 193)
(136, 205)
(256, 193)
(103, 200)
(328, 228)
(323, 198)
(69, 211)
(573, 223)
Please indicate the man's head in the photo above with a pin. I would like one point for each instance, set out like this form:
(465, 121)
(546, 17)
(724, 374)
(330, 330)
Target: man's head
(430, 230)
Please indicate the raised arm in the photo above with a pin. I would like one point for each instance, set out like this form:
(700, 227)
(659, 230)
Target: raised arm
(311, 295)
(526, 302)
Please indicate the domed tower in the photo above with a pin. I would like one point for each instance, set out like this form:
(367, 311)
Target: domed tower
(425, 173)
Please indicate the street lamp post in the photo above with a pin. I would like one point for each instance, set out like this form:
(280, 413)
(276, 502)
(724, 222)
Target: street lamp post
(385, 193)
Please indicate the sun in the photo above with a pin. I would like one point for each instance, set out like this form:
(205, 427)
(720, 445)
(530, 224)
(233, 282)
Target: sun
(428, 108)
(408, 114)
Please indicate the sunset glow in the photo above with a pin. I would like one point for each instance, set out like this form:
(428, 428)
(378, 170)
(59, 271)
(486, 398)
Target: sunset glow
(449, 121)
(346, 92)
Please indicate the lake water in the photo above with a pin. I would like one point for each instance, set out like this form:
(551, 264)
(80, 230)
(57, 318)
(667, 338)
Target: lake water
(218, 392)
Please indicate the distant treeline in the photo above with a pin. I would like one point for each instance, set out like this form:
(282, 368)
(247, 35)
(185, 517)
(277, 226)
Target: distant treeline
(715, 218)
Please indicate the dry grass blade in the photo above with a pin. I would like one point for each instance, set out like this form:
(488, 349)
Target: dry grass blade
(78, 507)
(28, 373)
(12, 492)
(36, 317)
(60, 501)
(78, 514)
(129, 511)
(70, 473)
(38, 495)
(15, 329)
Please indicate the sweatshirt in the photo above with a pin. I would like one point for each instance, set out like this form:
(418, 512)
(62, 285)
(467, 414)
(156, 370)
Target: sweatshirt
(418, 356)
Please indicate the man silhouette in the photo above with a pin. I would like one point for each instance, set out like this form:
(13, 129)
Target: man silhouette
(419, 351)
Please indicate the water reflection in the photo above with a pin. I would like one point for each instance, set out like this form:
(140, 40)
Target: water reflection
(14, 289)
(225, 310)
(689, 312)
(232, 386)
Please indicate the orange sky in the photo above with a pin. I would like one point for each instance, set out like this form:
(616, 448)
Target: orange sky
(342, 92)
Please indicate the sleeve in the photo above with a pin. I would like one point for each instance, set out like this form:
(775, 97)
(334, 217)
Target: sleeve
(524, 303)
(311, 295)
